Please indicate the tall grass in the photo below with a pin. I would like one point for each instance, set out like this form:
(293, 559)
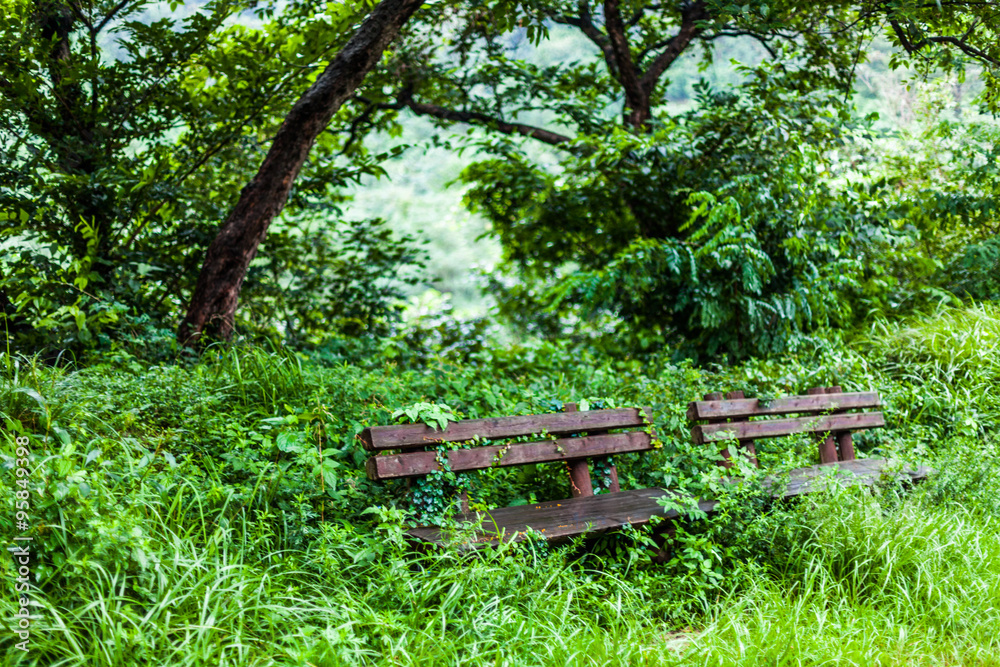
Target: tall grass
(919, 584)
(953, 348)
(258, 376)
(215, 554)
(868, 581)
(373, 601)
(949, 361)
(25, 382)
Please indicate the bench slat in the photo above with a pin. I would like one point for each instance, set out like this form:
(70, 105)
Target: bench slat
(411, 464)
(379, 438)
(560, 520)
(750, 407)
(779, 427)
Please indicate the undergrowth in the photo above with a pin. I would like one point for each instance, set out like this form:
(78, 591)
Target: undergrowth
(216, 513)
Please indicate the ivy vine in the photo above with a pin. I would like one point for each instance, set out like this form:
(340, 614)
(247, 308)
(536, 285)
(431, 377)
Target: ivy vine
(600, 475)
(437, 492)
(434, 494)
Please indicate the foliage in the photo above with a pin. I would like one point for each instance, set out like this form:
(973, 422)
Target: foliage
(214, 510)
(599, 238)
(745, 245)
(434, 415)
(593, 207)
(114, 179)
(931, 40)
(976, 273)
(317, 284)
(434, 494)
(226, 497)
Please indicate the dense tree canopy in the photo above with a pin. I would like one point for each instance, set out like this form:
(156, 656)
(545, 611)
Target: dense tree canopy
(735, 224)
(731, 225)
(126, 134)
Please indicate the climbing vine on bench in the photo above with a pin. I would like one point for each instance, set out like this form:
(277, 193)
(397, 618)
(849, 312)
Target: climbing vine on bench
(434, 493)
(601, 474)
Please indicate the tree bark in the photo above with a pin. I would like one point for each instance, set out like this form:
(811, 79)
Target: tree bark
(637, 85)
(212, 309)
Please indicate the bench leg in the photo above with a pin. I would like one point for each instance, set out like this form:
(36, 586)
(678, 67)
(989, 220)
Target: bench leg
(727, 458)
(464, 498)
(662, 535)
(845, 441)
(579, 469)
(615, 486)
(579, 478)
(827, 445)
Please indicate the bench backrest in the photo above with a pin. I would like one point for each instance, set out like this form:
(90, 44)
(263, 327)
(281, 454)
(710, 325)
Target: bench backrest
(578, 436)
(825, 413)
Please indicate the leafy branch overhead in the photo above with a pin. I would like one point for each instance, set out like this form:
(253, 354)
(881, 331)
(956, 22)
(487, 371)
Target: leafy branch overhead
(125, 141)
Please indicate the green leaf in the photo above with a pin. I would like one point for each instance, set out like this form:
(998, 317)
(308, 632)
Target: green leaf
(291, 442)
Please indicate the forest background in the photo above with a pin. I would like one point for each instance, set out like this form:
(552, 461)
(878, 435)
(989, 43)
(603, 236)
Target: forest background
(499, 219)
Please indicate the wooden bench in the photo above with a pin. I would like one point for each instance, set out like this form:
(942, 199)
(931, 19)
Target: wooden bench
(733, 423)
(736, 422)
(572, 436)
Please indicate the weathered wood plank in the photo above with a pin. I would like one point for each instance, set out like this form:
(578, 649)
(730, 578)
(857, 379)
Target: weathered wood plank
(379, 438)
(750, 407)
(561, 520)
(779, 427)
(862, 471)
(410, 464)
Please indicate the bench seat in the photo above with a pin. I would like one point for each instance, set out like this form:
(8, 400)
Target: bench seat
(560, 520)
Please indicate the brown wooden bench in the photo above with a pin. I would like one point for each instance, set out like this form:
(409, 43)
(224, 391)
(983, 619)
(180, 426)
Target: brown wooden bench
(572, 436)
(733, 423)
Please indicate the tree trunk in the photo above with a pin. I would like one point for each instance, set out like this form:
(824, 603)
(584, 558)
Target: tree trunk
(212, 309)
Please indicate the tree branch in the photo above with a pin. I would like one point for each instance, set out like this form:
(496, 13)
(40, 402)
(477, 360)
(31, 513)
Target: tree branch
(634, 93)
(690, 17)
(961, 43)
(742, 33)
(585, 22)
(363, 119)
(639, 13)
(213, 304)
(111, 15)
(477, 118)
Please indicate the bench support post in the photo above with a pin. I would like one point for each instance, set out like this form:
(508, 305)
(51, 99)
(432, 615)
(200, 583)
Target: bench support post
(845, 441)
(727, 459)
(579, 470)
(615, 486)
(745, 444)
(827, 445)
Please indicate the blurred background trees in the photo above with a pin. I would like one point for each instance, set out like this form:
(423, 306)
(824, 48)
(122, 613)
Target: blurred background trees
(717, 180)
